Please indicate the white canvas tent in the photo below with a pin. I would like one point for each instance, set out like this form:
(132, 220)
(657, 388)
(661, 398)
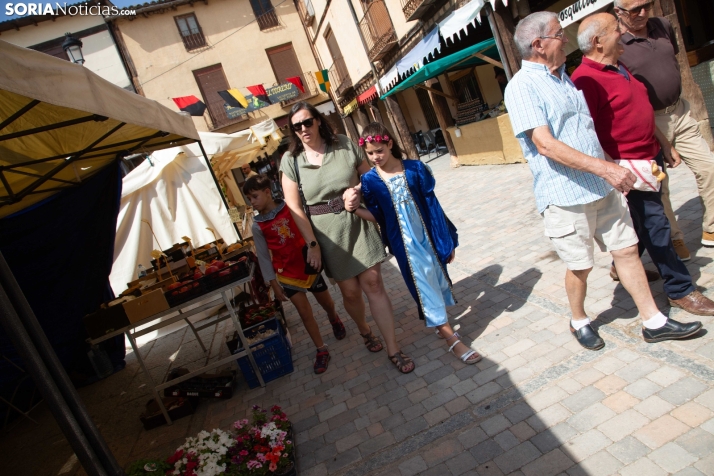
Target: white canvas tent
(174, 195)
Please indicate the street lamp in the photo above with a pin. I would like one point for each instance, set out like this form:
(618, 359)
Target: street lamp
(73, 47)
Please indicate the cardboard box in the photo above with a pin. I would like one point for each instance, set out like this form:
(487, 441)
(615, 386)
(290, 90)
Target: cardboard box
(105, 320)
(145, 306)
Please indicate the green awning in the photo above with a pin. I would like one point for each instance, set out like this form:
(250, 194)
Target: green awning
(459, 60)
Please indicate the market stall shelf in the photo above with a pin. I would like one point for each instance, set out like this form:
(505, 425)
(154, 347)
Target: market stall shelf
(487, 142)
(214, 297)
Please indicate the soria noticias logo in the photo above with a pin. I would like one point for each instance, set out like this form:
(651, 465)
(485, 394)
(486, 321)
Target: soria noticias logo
(24, 9)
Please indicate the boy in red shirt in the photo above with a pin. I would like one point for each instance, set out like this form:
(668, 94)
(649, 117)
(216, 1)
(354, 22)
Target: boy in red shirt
(275, 233)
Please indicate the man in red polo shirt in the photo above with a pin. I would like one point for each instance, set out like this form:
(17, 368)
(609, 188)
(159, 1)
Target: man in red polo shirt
(625, 125)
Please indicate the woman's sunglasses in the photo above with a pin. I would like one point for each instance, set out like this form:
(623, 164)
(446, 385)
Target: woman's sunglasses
(297, 126)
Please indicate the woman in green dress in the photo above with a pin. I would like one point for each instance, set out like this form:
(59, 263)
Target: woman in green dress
(349, 248)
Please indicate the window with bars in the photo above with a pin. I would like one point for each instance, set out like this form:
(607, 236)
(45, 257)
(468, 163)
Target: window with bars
(190, 31)
(467, 89)
(264, 13)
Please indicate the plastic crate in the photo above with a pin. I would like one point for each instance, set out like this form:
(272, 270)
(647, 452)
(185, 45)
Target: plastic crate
(273, 355)
(236, 271)
(217, 385)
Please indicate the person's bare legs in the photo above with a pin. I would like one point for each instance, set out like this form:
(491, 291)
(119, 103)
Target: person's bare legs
(576, 287)
(324, 299)
(304, 310)
(354, 305)
(634, 280)
(379, 305)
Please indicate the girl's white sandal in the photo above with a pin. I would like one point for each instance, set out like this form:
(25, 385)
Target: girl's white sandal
(466, 355)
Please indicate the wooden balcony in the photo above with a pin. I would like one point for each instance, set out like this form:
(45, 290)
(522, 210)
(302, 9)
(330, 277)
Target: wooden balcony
(306, 11)
(218, 117)
(377, 30)
(309, 84)
(268, 20)
(415, 9)
(339, 77)
(193, 39)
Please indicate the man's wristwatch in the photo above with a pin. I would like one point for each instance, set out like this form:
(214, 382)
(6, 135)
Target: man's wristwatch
(312, 244)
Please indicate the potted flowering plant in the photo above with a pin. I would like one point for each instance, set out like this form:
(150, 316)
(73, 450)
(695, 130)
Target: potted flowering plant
(204, 455)
(263, 446)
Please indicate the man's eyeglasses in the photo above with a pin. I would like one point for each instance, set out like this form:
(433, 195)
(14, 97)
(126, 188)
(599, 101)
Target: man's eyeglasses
(558, 36)
(297, 126)
(633, 12)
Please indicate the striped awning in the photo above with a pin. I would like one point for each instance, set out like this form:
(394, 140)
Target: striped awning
(350, 107)
(367, 96)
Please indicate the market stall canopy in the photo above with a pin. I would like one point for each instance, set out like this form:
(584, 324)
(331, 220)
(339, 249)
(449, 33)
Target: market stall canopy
(478, 54)
(61, 123)
(228, 151)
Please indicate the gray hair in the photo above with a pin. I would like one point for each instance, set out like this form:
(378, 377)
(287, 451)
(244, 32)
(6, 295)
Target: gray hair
(531, 27)
(596, 27)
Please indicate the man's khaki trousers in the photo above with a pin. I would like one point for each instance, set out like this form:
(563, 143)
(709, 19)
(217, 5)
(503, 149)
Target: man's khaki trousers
(682, 131)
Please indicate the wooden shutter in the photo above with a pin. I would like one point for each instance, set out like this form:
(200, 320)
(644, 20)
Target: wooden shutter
(285, 63)
(211, 80)
(333, 46)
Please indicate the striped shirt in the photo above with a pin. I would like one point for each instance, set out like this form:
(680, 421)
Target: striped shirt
(534, 98)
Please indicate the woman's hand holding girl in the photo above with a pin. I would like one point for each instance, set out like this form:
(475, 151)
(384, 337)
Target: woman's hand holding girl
(352, 197)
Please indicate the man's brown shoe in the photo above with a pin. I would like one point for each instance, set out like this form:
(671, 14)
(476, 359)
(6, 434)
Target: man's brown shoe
(695, 303)
(651, 275)
(707, 239)
(682, 250)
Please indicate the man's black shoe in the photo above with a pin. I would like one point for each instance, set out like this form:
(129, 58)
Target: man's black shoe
(672, 330)
(588, 337)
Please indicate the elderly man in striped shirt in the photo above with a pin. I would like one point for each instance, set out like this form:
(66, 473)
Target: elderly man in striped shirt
(578, 192)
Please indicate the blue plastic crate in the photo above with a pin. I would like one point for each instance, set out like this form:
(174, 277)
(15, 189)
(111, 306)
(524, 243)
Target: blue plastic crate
(273, 356)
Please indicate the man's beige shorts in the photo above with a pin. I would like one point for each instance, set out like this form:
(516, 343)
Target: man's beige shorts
(572, 229)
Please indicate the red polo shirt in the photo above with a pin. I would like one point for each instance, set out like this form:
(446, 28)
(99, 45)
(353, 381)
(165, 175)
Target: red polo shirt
(622, 113)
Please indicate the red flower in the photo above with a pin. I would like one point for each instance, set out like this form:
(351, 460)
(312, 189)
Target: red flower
(176, 456)
(275, 408)
(190, 465)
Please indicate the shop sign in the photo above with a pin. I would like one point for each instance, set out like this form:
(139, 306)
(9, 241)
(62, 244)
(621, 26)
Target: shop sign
(276, 94)
(580, 10)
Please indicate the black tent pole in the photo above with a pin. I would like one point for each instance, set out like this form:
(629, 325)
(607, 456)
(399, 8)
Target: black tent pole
(42, 378)
(218, 186)
(51, 378)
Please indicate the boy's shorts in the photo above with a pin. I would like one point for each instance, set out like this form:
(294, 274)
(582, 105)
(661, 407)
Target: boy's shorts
(573, 229)
(317, 287)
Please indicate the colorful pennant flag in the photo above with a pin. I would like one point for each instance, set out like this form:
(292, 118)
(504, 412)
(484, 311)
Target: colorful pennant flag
(323, 80)
(259, 92)
(191, 105)
(297, 81)
(233, 98)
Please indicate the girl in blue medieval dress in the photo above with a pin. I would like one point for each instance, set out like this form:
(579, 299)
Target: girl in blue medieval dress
(399, 195)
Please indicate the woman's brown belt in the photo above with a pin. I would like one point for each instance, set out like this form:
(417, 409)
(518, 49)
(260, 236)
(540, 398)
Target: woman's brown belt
(336, 205)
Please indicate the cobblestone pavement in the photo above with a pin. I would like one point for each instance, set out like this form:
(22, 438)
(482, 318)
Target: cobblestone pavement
(537, 404)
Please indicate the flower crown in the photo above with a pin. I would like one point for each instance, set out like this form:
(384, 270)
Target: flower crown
(366, 140)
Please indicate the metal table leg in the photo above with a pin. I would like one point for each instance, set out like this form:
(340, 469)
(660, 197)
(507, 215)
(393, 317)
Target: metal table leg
(157, 396)
(239, 329)
(200, 342)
